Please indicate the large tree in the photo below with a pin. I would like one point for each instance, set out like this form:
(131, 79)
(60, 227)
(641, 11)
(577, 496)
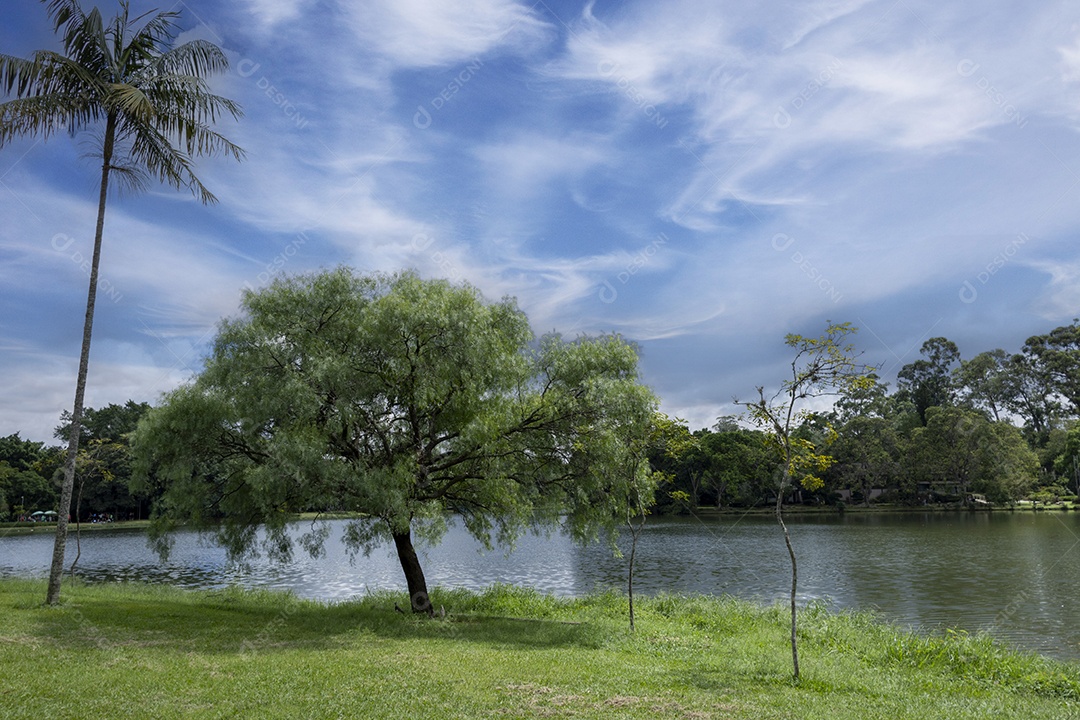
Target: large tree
(866, 449)
(1031, 394)
(983, 382)
(928, 382)
(103, 468)
(960, 451)
(154, 113)
(1057, 356)
(110, 423)
(867, 455)
(408, 401)
(26, 468)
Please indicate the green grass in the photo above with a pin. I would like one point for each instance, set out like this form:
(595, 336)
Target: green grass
(117, 651)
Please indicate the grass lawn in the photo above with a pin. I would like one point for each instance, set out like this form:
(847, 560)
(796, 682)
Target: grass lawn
(119, 651)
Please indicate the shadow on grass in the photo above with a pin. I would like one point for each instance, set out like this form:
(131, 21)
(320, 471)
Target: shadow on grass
(238, 621)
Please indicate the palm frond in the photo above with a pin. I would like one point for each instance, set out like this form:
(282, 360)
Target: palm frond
(64, 12)
(84, 40)
(17, 74)
(132, 178)
(62, 74)
(153, 151)
(157, 33)
(45, 72)
(123, 69)
(179, 97)
(129, 101)
(44, 115)
(198, 58)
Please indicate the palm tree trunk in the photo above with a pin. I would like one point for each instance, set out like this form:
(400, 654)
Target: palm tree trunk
(56, 571)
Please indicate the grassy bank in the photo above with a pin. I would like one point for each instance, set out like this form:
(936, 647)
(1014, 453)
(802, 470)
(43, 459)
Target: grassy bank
(121, 651)
(33, 528)
(29, 528)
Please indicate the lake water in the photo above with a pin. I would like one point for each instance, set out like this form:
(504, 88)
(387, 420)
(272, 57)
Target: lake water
(1016, 575)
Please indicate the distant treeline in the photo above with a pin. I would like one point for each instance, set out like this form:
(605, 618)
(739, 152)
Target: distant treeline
(30, 472)
(997, 428)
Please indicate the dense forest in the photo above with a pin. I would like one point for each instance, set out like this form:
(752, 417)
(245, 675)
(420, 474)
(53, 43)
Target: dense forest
(993, 429)
(30, 472)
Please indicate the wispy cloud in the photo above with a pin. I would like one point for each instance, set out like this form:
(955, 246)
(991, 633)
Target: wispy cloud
(700, 176)
(427, 33)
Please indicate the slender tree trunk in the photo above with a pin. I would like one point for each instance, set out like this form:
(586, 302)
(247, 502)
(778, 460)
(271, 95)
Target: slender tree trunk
(635, 531)
(414, 574)
(78, 529)
(56, 571)
(794, 576)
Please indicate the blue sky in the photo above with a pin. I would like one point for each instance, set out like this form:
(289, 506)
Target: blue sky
(702, 177)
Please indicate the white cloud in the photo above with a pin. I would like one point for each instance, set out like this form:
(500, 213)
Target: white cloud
(1061, 297)
(41, 385)
(1070, 60)
(525, 165)
(426, 33)
(270, 13)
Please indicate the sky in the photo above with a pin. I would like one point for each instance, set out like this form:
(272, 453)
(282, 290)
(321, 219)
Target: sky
(702, 177)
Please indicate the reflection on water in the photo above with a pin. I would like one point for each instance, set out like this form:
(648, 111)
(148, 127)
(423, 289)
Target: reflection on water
(1015, 575)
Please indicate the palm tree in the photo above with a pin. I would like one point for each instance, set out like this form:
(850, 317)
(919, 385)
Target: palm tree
(155, 113)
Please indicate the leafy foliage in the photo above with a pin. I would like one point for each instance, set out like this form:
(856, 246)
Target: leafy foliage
(1057, 354)
(822, 365)
(403, 399)
(928, 382)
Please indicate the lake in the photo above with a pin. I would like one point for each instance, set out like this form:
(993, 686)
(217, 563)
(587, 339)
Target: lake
(1016, 575)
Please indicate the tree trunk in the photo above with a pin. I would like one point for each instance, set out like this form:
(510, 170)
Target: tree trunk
(56, 571)
(794, 579)
(414, 574)
(635, 531)
(78, 530)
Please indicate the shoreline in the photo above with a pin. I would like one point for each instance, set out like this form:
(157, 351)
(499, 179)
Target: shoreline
(31, 528)
(1024, 506)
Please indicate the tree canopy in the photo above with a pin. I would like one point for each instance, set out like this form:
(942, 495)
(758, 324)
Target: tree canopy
(928, 382)
(405, 400)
